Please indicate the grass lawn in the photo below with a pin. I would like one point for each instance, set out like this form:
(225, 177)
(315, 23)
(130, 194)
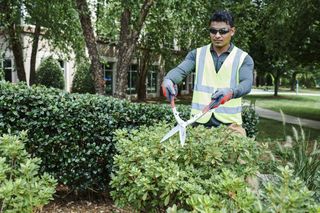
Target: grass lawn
(273, 130)
(300, 106)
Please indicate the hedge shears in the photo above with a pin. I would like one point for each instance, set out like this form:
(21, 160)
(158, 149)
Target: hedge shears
(181, 126)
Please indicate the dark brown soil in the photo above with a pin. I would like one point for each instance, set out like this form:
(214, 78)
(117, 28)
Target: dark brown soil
(82, 207)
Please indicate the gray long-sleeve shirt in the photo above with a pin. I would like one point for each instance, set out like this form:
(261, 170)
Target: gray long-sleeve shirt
(188, 65)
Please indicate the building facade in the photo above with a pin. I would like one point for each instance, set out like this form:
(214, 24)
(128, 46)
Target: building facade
(68, 66)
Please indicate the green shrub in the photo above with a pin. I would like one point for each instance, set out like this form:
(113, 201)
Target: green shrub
(250, 121)
(73, 133)
(287, 194)
(82, 81)
(149, 175)
(22, 189)
(49, 74)
(303, 156)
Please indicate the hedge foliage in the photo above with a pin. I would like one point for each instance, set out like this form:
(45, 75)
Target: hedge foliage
(73, 134)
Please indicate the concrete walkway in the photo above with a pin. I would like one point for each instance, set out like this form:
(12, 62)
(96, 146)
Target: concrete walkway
(266, 113)
(270, 92)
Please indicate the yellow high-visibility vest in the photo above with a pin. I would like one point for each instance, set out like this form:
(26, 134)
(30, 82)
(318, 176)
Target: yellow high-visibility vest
(207, 80)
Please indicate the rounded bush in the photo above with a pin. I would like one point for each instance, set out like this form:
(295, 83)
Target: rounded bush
(82, 81)
(49, 74)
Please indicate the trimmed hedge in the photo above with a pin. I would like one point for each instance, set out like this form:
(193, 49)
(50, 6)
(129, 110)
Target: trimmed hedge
(73, 134)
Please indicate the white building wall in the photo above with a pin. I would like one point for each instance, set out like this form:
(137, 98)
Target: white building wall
(44, 51)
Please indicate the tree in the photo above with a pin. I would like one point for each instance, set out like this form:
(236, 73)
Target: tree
(155, 45)
(46, 21)
(88, 33)
(185, 24)
(49, 22)
(287, 47)
(130, 29)
(10, 18)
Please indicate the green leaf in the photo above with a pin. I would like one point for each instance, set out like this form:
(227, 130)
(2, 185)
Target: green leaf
(145, 196)
(166, 201)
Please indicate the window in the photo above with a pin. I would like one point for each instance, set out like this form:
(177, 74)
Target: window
(7, 67)
(63, 70)
(107, 68)
(152, 80)
(132, 79)
(61, 63)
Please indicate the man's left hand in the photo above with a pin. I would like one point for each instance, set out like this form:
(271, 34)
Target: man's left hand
(226, 94)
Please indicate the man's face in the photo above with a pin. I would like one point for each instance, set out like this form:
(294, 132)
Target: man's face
(220, 34)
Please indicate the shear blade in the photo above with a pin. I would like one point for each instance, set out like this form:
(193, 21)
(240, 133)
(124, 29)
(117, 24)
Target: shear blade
(172, 132)
(182, 135)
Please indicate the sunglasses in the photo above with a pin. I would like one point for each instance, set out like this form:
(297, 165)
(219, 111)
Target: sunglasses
(222, 31)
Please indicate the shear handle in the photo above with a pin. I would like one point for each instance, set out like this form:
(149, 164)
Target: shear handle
(172, 102)
(213, 104)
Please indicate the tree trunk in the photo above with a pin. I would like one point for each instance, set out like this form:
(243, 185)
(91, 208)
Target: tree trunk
(276, 83)
(126, 47)
(91, 43)
(34, 52)
(162, 73)
(14, 30)
(142, 75)
(127, 44)
(293, 81)
(17, 49)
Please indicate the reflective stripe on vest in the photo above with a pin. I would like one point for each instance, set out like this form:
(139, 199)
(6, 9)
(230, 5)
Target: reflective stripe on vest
(207, 80)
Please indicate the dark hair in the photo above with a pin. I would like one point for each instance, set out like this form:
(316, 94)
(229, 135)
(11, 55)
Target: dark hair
(223, 16)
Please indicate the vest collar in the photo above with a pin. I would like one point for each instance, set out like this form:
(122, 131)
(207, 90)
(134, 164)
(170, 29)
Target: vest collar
(228, 51)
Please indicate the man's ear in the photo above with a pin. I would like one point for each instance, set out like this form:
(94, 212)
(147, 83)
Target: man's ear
(233, 30)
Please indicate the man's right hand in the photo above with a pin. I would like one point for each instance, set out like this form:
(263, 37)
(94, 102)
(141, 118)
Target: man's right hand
(169, 89)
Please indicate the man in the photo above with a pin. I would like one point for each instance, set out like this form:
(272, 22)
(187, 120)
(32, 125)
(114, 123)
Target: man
(223, 72)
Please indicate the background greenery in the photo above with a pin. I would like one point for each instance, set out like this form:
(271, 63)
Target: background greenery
(282, 37)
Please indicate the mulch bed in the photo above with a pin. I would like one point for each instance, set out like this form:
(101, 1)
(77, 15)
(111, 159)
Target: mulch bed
(88, 202)
(82, 207)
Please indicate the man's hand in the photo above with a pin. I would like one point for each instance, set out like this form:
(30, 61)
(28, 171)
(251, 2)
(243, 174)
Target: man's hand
(169, 89)
(226, 94)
